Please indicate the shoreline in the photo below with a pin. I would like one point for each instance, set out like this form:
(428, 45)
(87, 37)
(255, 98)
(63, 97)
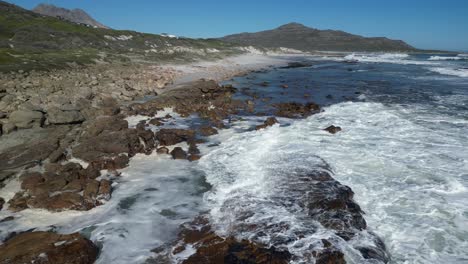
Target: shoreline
(186, 99)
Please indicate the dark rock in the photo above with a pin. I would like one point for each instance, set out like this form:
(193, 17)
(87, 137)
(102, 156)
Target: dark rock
(168, 137)
(207, 131)
(330, 257)
(7, 219)
(296, 64)
(2, 202)
(213, 249)
(194, 157)
(105, 190)
(156, 122)
(333, 129)
(48, 247)
(295, 110)
(268, 122)
(178, 153)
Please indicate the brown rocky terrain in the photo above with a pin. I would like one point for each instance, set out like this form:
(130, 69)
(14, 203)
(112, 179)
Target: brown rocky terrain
(103, 142)
(48, 247)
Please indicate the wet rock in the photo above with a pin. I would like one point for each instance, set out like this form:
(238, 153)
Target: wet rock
(105, 190)
(213, 249)
(2, 202)
(163, 150)
(56, 116)
(156, 122)
(178, 153)
(48, 247)
(330, 257)
(26, 118)
(63, 201)
(333, 129)
(268, 122)
(194, 157)
(296, 64)
(295, 110)
(193, 149)
(207, 131)
(168, 137)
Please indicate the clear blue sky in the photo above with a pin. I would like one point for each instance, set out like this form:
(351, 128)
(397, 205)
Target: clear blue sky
(429, 24)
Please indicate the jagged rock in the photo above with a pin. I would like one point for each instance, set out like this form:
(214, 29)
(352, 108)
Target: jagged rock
(295, 110)
(178, 153)
(268, 122)
(333, 129)
(26, 118)
(213, 249)
(57, 116)
(48, 247)
(168, 137)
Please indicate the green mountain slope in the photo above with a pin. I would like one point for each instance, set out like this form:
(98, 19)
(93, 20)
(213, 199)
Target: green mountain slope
(32, 41)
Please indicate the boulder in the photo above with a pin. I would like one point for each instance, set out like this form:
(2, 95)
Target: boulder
(168, 137)
(333, 129)
(48, 247)
(26, 118)
(207, 131)
(178, 153)
(7, 128)
(56, 116)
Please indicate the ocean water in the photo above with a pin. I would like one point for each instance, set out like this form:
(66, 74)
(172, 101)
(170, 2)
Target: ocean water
(403, 150)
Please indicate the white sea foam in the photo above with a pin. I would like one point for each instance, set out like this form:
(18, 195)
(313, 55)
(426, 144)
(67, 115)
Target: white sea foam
(407, 166)
(451, 71)
(396, 58)
(438, 58)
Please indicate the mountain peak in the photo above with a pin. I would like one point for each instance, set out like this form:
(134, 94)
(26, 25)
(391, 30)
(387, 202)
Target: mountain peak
(75, 15)
(292, 25)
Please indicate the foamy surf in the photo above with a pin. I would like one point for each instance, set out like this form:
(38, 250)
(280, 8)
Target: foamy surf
(450, 71)
(395, 58)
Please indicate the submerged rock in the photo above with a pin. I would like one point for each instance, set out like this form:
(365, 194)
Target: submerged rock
(178, 153)
(268, 122)
(48, 247)
(333, 129)
(296, 110)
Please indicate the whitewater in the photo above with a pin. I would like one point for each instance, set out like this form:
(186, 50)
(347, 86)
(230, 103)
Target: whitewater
(403, 151)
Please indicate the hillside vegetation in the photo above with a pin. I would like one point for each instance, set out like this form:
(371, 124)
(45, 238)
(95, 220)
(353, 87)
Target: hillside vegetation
(32, 41)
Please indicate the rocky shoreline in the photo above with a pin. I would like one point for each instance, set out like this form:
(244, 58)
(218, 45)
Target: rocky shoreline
(75, 138)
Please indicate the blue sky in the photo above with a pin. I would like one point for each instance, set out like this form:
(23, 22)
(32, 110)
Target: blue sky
(429, 24)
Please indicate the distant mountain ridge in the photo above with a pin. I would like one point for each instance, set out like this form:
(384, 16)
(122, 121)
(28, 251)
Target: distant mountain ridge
(75, 15)
(299, 37)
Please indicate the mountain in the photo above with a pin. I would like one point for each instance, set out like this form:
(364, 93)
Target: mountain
(299, 37)
(29, 40)
(75, 15)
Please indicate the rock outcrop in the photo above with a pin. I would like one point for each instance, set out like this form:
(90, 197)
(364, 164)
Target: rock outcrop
(48, 247)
